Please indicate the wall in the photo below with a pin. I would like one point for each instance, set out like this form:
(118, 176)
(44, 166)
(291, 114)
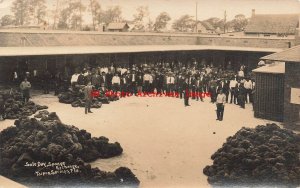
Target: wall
(268, 98)
(74, 39)
(292, 80)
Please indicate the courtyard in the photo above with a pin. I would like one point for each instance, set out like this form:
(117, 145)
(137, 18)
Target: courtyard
(165, 144)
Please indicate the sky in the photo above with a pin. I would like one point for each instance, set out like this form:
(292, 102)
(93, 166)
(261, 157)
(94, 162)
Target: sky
(177, 8)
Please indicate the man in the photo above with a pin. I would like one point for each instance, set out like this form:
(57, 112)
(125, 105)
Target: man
(159, 82)
(25, 89)
(170, 83)
(248, 86)
(116, 83)
(241, 95)
(88, 97)
(133, 82)
(199, 89)
(186, 92)
(1, 108)
(147, 79)
(108, 79)
(96, 79)
(220, 102)
(224, 86)
(124, 85)
(74, 79)
(232, 85)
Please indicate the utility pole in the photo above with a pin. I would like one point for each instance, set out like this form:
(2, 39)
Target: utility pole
(225, 16)
(80, 15)
(55, 15)
(196, 17)
(93, 14)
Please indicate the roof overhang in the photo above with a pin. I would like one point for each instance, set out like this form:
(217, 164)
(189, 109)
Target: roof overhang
(289, 55)
(274, 68)
(80, 50)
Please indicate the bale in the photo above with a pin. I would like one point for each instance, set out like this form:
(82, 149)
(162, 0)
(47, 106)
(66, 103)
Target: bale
(50, 141)
(265, 155)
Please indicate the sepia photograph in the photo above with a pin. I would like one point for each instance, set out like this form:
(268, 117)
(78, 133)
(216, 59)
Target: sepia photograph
(149, 93)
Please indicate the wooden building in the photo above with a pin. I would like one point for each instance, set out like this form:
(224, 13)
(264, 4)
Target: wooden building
(291, 87)
(269, 92)
(117, 27)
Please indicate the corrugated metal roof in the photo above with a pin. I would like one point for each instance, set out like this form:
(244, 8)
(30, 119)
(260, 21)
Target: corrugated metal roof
(64, 50)
(289, 55)
(273, 24)
(117, 25)
(274, 68)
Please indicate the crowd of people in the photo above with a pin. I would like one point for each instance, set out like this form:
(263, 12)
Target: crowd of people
(184, 80)
(192, 80)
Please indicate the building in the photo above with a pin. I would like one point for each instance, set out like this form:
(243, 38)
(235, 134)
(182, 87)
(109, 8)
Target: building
(267, 25)
(117, 27)
(204, 27)
(269, 92)
(290, 88)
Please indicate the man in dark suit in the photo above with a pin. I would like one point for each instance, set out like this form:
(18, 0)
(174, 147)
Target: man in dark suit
(88, 97)
(133, 82)
(108, 80)
(180, 83)
(186, 91)
(124, 85)
(224, 86)
(241, 95)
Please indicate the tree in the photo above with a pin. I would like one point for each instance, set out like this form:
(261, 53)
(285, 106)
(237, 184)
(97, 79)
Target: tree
(161, 21)
(20, 9)
(150, 25)
(139, 17)
(7, 20)
(37, 10)
(70, 16)
(184, 23)
(95, 9)
(239, 22)
(112, 14)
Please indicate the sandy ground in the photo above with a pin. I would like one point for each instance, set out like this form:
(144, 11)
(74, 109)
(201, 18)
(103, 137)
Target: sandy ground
(165, 144)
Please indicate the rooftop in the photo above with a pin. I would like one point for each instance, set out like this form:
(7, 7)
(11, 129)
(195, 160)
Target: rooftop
(64, 50)
(117, 25)
(274, 68)
(273, 24)
(289, 55)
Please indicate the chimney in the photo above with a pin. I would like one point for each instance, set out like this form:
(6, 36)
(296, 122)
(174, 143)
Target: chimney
(253, 12)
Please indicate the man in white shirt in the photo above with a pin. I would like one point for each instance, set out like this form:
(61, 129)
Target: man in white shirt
(74, 79)
(232, 85)
(221, 100)
(248, 86)
(241, 74)
(116, 83)
(170, 83)
(147, 78)
(123, 70)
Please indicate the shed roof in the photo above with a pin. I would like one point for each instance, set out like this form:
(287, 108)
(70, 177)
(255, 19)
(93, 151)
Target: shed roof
(289, 55)
(274, 68)
(273, 24)
(65, 50)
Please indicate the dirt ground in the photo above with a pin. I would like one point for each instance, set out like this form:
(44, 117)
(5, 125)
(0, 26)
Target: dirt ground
(165, 144)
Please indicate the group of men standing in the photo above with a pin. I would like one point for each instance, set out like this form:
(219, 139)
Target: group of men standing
(188, 82)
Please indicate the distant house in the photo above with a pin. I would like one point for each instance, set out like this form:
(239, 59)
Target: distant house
(117, 27)
(204, 27)
(272, 24)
